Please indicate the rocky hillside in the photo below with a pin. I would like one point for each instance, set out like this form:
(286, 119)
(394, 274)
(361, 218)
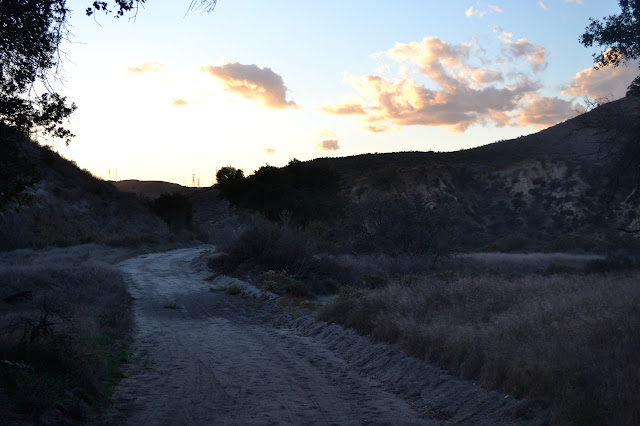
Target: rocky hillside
(569, 187)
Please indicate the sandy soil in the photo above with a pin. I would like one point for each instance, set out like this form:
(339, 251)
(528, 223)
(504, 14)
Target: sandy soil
(205, 357)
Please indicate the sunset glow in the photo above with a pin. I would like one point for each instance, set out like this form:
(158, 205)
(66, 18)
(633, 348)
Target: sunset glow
(167, 96)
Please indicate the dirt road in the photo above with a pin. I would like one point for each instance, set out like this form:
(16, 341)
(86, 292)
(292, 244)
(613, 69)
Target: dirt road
(205, 357)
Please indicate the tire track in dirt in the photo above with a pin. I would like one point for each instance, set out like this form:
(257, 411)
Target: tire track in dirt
(205, 357)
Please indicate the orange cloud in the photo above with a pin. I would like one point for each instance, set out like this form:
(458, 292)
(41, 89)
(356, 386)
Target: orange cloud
(329, 145)
(147, 67)
(252, 82)
(467, 95)
(269, 150)
(344, 109)
(486, 76)
(606, 82)
(544, 111)
(179, 102)
(461, 94)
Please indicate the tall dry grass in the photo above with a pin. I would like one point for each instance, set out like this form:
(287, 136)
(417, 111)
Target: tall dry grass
(65, 320)
(570, 340)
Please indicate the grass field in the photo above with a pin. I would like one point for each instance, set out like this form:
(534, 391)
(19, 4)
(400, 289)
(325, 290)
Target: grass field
(570, 340)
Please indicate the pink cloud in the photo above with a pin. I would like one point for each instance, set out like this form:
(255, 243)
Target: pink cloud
(252, 82)
(147, 67)
(606, 82)
(179, 102)
(329, 145)
(544, 111)
(344, 109)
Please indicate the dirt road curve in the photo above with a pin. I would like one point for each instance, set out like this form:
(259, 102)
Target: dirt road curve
(205, 357)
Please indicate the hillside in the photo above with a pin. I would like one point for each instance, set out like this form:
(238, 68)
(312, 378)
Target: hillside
(66, 205)
(562, 188)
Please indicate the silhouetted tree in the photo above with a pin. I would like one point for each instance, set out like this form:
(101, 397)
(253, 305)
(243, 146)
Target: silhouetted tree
(301, 192)
(30, 34)
(619, 35)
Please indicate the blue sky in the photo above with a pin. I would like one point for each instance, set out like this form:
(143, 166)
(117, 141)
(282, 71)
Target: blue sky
(170, 95)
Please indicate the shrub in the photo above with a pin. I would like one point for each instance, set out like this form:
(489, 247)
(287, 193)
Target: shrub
(175, 209)
(233, 290)
(282, 283)
(266, 246)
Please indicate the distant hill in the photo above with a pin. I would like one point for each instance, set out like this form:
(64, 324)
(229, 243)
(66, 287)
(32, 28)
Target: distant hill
(151, 189)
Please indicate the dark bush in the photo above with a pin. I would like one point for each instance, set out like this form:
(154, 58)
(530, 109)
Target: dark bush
(175, 209)
(265, 246)
(304, 193)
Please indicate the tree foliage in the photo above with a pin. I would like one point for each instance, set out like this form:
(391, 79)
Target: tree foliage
(303, 192)
(618, 34)
(30, 35)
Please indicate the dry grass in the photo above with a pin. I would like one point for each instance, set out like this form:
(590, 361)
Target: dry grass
(64, 326)
(572, 341)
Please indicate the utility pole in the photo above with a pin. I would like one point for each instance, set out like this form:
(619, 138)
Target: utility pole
(109, 173)
(193, 179)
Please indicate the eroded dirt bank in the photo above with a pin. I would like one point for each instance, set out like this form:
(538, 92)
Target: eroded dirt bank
(205, 357)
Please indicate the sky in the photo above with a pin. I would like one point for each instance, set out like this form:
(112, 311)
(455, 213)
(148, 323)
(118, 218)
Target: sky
(175, 96)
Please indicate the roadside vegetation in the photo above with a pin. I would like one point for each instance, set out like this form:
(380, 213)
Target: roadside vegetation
(561, 328)
(569, 340)
(65, 327)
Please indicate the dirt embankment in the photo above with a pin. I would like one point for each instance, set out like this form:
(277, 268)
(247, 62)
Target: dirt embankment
(205, 357)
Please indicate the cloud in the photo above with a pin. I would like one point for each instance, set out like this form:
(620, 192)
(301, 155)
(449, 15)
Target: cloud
(486, 76)
(377, 128)
(536, 55)
(344, 109)
(179, 102)
(543, 6)
(329, 145)
(252, 82)
(459, 93)
(327, 134)
(574, 1)
(147, 67)
(406, 103)
(606, 82)
(269, 150)
(473, 12)
(544, 111)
